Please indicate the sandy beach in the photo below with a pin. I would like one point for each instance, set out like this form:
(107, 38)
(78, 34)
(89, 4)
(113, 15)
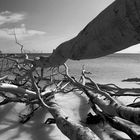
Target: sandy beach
(110, 69)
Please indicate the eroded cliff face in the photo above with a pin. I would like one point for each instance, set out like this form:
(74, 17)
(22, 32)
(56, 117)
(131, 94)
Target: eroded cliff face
(114, 29)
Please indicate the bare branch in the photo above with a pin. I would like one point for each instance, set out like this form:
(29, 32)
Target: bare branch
(21, 46)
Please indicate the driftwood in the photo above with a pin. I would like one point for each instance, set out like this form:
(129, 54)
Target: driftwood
(34, 95)
(114, 29)
(24, 87)
(31, 94)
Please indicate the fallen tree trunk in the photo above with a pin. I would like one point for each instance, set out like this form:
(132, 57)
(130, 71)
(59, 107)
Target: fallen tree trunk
(122, 126)
(110, 105)
(114, 29)
(68, 127)
(113, 108)
(115, 122)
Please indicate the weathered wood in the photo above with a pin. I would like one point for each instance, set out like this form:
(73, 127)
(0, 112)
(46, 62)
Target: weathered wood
(114, 29)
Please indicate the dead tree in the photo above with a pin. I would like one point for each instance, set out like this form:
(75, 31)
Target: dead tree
(114, 29)
(32, 94)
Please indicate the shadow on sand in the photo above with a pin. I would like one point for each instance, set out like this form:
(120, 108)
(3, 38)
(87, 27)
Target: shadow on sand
(35, 129)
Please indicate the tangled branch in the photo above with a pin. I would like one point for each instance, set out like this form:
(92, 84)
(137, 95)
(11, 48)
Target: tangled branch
(27, 83)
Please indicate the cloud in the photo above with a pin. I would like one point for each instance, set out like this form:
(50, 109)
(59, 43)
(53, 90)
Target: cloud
(21, 32)
(9, 17)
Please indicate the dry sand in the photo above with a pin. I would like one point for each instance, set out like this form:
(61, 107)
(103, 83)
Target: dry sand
(111, 69)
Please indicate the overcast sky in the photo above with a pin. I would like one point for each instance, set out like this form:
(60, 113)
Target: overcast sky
(41, 25)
